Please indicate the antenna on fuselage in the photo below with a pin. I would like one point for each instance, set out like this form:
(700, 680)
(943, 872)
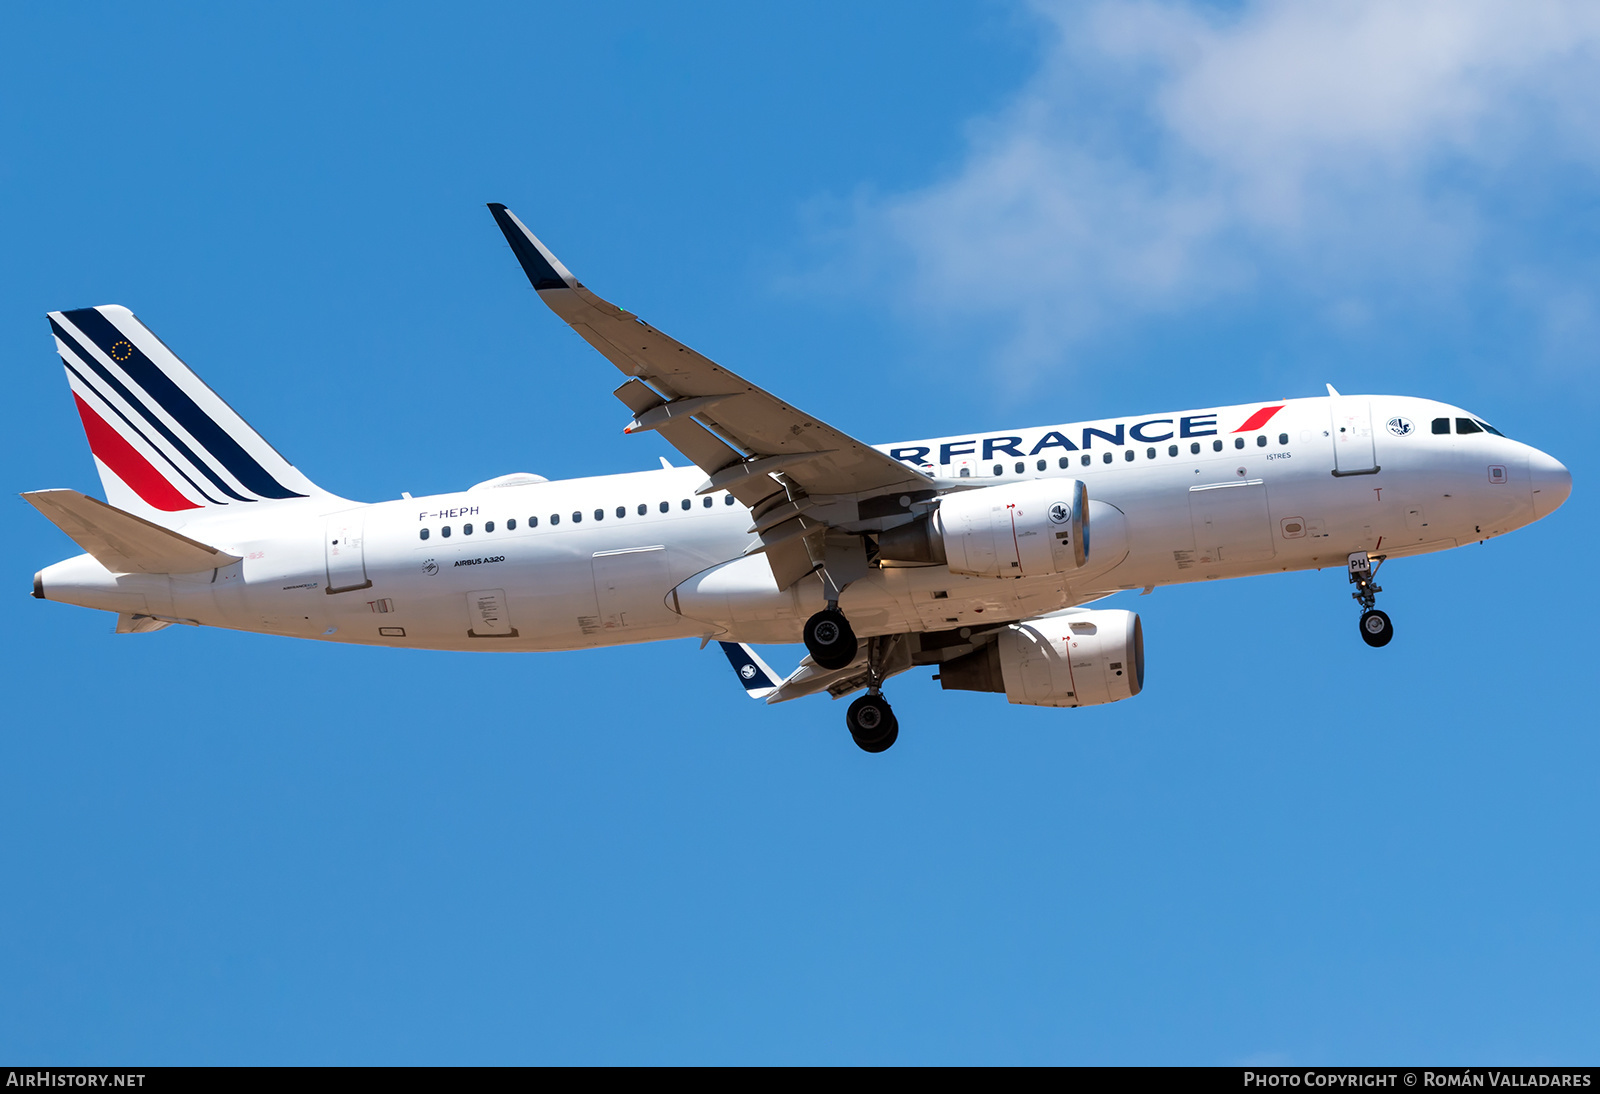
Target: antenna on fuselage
(1334, 393)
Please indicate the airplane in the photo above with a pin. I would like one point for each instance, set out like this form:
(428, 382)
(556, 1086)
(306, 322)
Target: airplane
(978, 555)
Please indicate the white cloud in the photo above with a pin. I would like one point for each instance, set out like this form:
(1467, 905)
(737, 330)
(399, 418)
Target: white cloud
(1166, 156)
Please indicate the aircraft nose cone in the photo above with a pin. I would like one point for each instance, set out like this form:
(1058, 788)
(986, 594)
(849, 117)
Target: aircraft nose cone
(1551, 483)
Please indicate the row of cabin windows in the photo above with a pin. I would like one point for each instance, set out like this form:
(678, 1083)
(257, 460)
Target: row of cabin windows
(1128, 454)
(1465, 425)
(577, 516)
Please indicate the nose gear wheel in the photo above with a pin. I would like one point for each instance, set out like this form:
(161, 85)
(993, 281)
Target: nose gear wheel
(1376, 630)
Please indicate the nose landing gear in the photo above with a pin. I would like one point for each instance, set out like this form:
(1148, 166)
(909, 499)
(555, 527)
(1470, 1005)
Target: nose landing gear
(1376, 629)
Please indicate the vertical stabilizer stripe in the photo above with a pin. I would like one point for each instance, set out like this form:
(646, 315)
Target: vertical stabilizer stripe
(111, 449)
(134, 429)
(176, 402)
(138, 404)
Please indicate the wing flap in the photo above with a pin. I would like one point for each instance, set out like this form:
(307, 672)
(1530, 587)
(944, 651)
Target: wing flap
(122, 542)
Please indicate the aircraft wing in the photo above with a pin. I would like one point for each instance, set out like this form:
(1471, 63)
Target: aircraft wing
(738, 433)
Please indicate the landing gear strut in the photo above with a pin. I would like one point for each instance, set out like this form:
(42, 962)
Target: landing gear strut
(870, 719)
(829, 639)
(1376, 629)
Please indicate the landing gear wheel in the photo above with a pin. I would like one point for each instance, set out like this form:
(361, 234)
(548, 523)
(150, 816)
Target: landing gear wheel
(829, 639)
(872, 724)
(1376, 630)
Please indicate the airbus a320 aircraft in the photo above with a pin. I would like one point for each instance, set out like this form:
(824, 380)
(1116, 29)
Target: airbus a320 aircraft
(976, 554)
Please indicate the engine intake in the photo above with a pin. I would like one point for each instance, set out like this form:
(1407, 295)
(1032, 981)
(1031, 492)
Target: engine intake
(1079, 659)
(1021, 529)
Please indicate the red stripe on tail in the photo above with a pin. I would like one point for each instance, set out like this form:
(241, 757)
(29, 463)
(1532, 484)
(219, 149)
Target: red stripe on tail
(116, 453)
(1259, 418)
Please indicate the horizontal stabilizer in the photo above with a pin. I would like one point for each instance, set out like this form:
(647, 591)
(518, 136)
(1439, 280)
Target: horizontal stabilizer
(122, 542)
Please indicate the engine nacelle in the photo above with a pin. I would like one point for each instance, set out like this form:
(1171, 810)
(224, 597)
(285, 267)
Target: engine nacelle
(1020, 529)
(1078, 659)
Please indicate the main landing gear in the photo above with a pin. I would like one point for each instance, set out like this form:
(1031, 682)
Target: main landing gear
(872, 723)
(1376, 629)
(870, 719)
(829, 639)
(833, 645)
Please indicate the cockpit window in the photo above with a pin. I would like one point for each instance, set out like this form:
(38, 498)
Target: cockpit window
(1489, 427)
(1441, 425)
(1467, 425)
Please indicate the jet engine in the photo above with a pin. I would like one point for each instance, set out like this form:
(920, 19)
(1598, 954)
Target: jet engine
(1079, 658)
(1020, 529)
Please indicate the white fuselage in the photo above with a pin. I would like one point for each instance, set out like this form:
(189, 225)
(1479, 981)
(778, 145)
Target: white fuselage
(640, 557)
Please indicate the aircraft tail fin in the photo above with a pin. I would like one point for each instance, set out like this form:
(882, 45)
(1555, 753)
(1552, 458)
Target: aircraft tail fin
(759, 681)
(165, 444)
(122, 542)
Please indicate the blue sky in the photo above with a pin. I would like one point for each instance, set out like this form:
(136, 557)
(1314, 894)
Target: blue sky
(914, 219)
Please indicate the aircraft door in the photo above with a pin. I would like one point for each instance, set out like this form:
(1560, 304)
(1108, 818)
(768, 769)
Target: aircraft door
(630, 587)
(1352, 437)
(1231, 522)
(346, 553)
(487, 615)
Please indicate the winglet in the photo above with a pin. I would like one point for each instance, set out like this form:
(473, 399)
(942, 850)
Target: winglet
(544, 270)
(759, 681)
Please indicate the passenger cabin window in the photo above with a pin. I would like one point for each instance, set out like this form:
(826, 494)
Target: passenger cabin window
(1065, 463)
(708, 502)
(687, 503)
(445, 531)
(555, 518)
(533, 522)
(511, 525)
(1238, 442)
(1042, 464)
(577, 517)
(599, 514)
(1085, 459)
(728, 500)
(622, 511)
(665, 506)
(1172, 450)
(1261, 441)
(1128, 455)
(1106, 458)
(1441, 425)
(999, 470)
(424, 533)
(1467, 425)
(1021, 467)
(1216, 446)
(1283, 438)
(488, 526)
(1194, 448)
(643, 508)
(466, 529)
(1150, 454)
